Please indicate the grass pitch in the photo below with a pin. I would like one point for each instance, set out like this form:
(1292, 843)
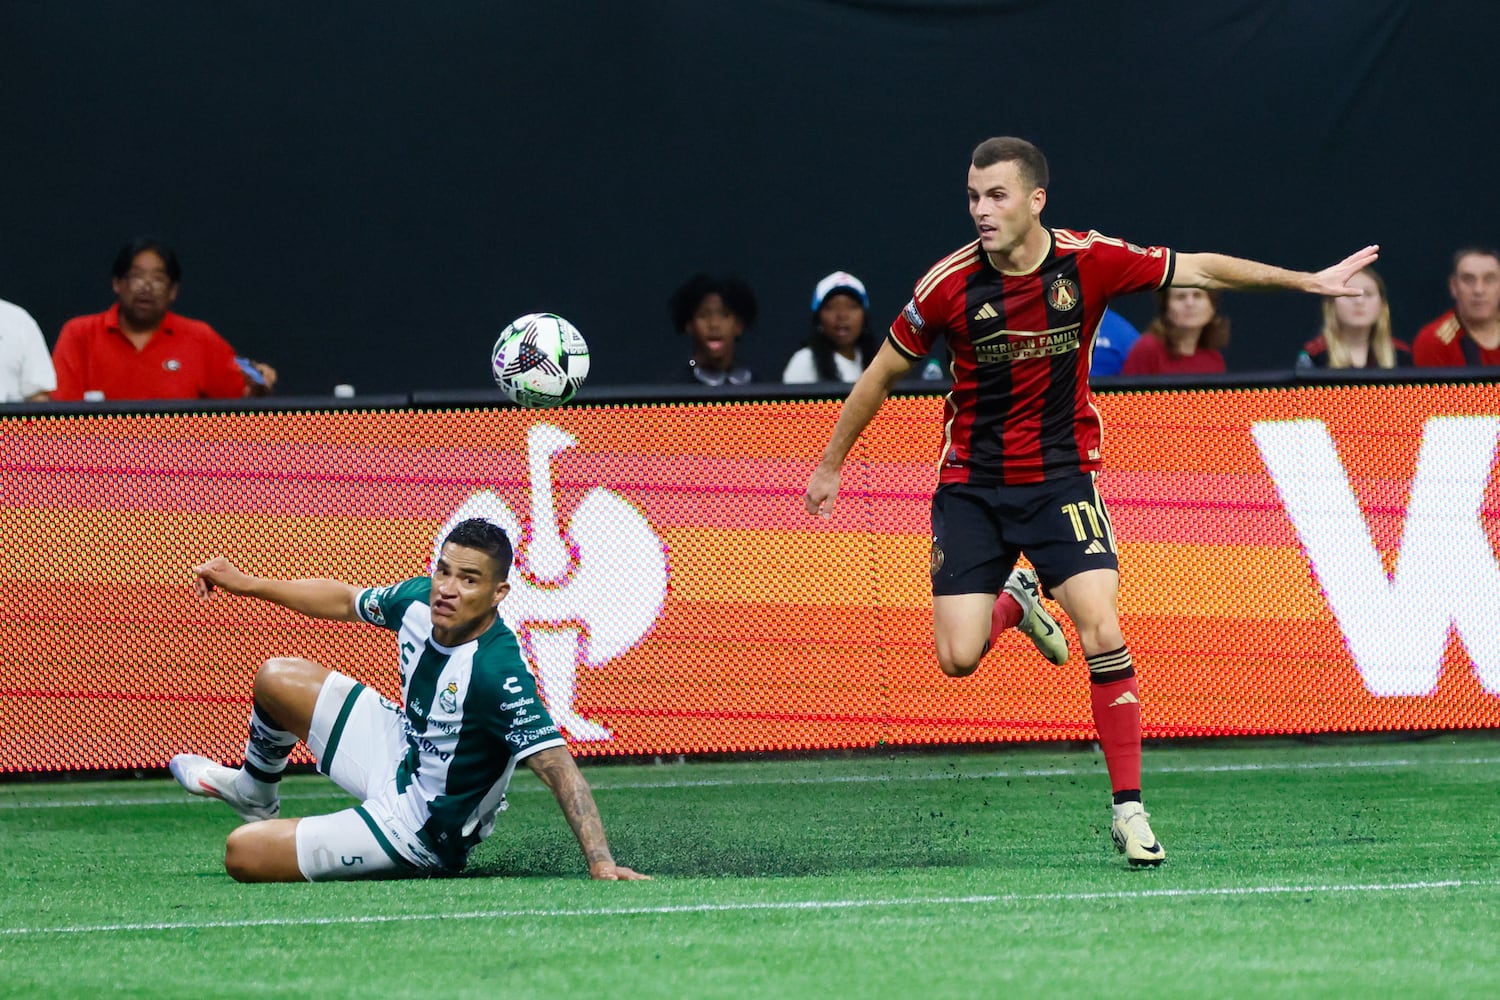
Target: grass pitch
(1348, 869)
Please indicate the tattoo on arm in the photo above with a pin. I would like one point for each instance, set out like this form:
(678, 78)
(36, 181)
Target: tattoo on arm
(559, 773)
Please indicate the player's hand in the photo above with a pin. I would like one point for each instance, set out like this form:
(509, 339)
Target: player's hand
(1335, 280)
(822, 491)
(267, 373)
(219, 572)
(608, 871)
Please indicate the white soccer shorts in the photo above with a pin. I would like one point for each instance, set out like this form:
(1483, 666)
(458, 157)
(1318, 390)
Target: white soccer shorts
(358, 739)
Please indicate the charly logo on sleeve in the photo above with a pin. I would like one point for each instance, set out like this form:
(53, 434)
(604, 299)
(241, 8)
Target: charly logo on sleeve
(372, 607)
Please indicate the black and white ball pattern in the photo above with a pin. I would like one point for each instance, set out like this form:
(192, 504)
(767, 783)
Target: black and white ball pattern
(540, 360)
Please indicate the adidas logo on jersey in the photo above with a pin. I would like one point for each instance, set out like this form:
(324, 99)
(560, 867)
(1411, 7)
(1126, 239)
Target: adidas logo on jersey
(1125, 699)
(1096, 548)
(986, 311)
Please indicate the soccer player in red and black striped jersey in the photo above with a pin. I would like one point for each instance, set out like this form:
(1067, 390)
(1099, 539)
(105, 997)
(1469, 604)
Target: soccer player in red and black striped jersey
(1020, 307)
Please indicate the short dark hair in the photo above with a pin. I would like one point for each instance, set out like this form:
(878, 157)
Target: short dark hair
(1007, 148)
(1474, 251)
(485, 536)
(737, 296)
(140, 245)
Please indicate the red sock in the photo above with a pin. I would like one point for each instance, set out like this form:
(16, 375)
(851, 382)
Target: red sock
(1117, 717)
(1007, 614)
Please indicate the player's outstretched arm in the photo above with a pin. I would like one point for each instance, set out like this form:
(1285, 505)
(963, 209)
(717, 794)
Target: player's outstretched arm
(332, 599)
(1216, 270)
(887, 368)
(558, 772)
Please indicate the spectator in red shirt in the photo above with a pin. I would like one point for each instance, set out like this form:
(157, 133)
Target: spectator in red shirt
(1469, 333)
(1185, 338)
(139, 349)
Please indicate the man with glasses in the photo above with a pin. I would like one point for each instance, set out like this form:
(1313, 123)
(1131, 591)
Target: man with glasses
(139, 349)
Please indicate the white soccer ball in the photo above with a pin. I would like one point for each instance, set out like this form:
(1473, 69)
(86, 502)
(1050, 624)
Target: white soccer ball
(540, 360)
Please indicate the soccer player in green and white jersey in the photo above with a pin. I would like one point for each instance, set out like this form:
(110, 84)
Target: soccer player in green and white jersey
(431, 776)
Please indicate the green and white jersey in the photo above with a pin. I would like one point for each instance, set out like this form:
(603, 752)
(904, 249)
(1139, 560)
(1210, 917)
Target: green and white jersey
(472, 713)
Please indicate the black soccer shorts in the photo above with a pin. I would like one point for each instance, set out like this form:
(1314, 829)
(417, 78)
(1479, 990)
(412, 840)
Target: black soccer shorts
(978, 533)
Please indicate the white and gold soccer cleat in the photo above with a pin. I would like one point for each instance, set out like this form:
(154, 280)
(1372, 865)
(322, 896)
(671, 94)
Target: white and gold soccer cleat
(1036, 623)
(1133, 837)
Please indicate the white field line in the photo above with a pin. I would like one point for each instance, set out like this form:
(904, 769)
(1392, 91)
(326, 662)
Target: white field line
(786, 905)
(605, 785)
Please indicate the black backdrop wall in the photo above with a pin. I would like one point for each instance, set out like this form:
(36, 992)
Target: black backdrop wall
(367, 192)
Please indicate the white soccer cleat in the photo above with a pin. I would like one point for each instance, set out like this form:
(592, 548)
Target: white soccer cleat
(201, 776)
(1133, 837)
(1037, 624)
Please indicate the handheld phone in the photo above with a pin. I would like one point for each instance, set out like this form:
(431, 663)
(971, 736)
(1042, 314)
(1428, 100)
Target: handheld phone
(251, 372)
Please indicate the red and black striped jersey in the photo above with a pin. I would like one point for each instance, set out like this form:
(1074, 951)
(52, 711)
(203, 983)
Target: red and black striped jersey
(1020, 409)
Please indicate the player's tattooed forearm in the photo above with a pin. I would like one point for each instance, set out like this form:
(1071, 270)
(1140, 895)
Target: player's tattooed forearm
(558, 772)
(550, 765)
(583, 816)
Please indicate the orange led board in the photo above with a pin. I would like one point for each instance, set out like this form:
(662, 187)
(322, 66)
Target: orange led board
(1294, 560)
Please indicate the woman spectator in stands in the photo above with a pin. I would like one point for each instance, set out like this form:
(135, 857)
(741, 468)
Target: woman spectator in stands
(1357, 330)
(1185, 338)
(841, 342)
(713, 313)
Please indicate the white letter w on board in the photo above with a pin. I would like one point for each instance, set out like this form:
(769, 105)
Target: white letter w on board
(1397, 627)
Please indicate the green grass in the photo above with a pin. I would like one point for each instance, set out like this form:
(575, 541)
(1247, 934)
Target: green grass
(1351, 869)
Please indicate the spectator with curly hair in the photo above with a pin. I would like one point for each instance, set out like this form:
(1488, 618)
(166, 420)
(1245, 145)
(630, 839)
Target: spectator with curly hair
(713, 313)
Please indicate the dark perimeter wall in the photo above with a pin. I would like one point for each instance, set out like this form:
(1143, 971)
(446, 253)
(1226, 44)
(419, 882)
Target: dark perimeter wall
(367, 192)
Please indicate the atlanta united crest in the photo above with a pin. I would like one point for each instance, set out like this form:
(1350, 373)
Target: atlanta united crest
(1063, 295)
(935, 558)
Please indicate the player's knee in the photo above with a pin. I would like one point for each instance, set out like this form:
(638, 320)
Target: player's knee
(958, 657)
(960, 636)
(277, 673)
(1102, 638)
(240, 856)
(954, 664)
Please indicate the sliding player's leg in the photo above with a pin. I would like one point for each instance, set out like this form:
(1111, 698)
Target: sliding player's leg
(344, 845)
(285, 693)
(357, 739)
(264, 852)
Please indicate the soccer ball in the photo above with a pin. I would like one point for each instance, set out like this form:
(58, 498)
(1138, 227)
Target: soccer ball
(540, 360)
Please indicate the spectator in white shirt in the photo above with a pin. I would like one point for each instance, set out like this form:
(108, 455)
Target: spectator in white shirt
(26, 373)
(841, 342)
